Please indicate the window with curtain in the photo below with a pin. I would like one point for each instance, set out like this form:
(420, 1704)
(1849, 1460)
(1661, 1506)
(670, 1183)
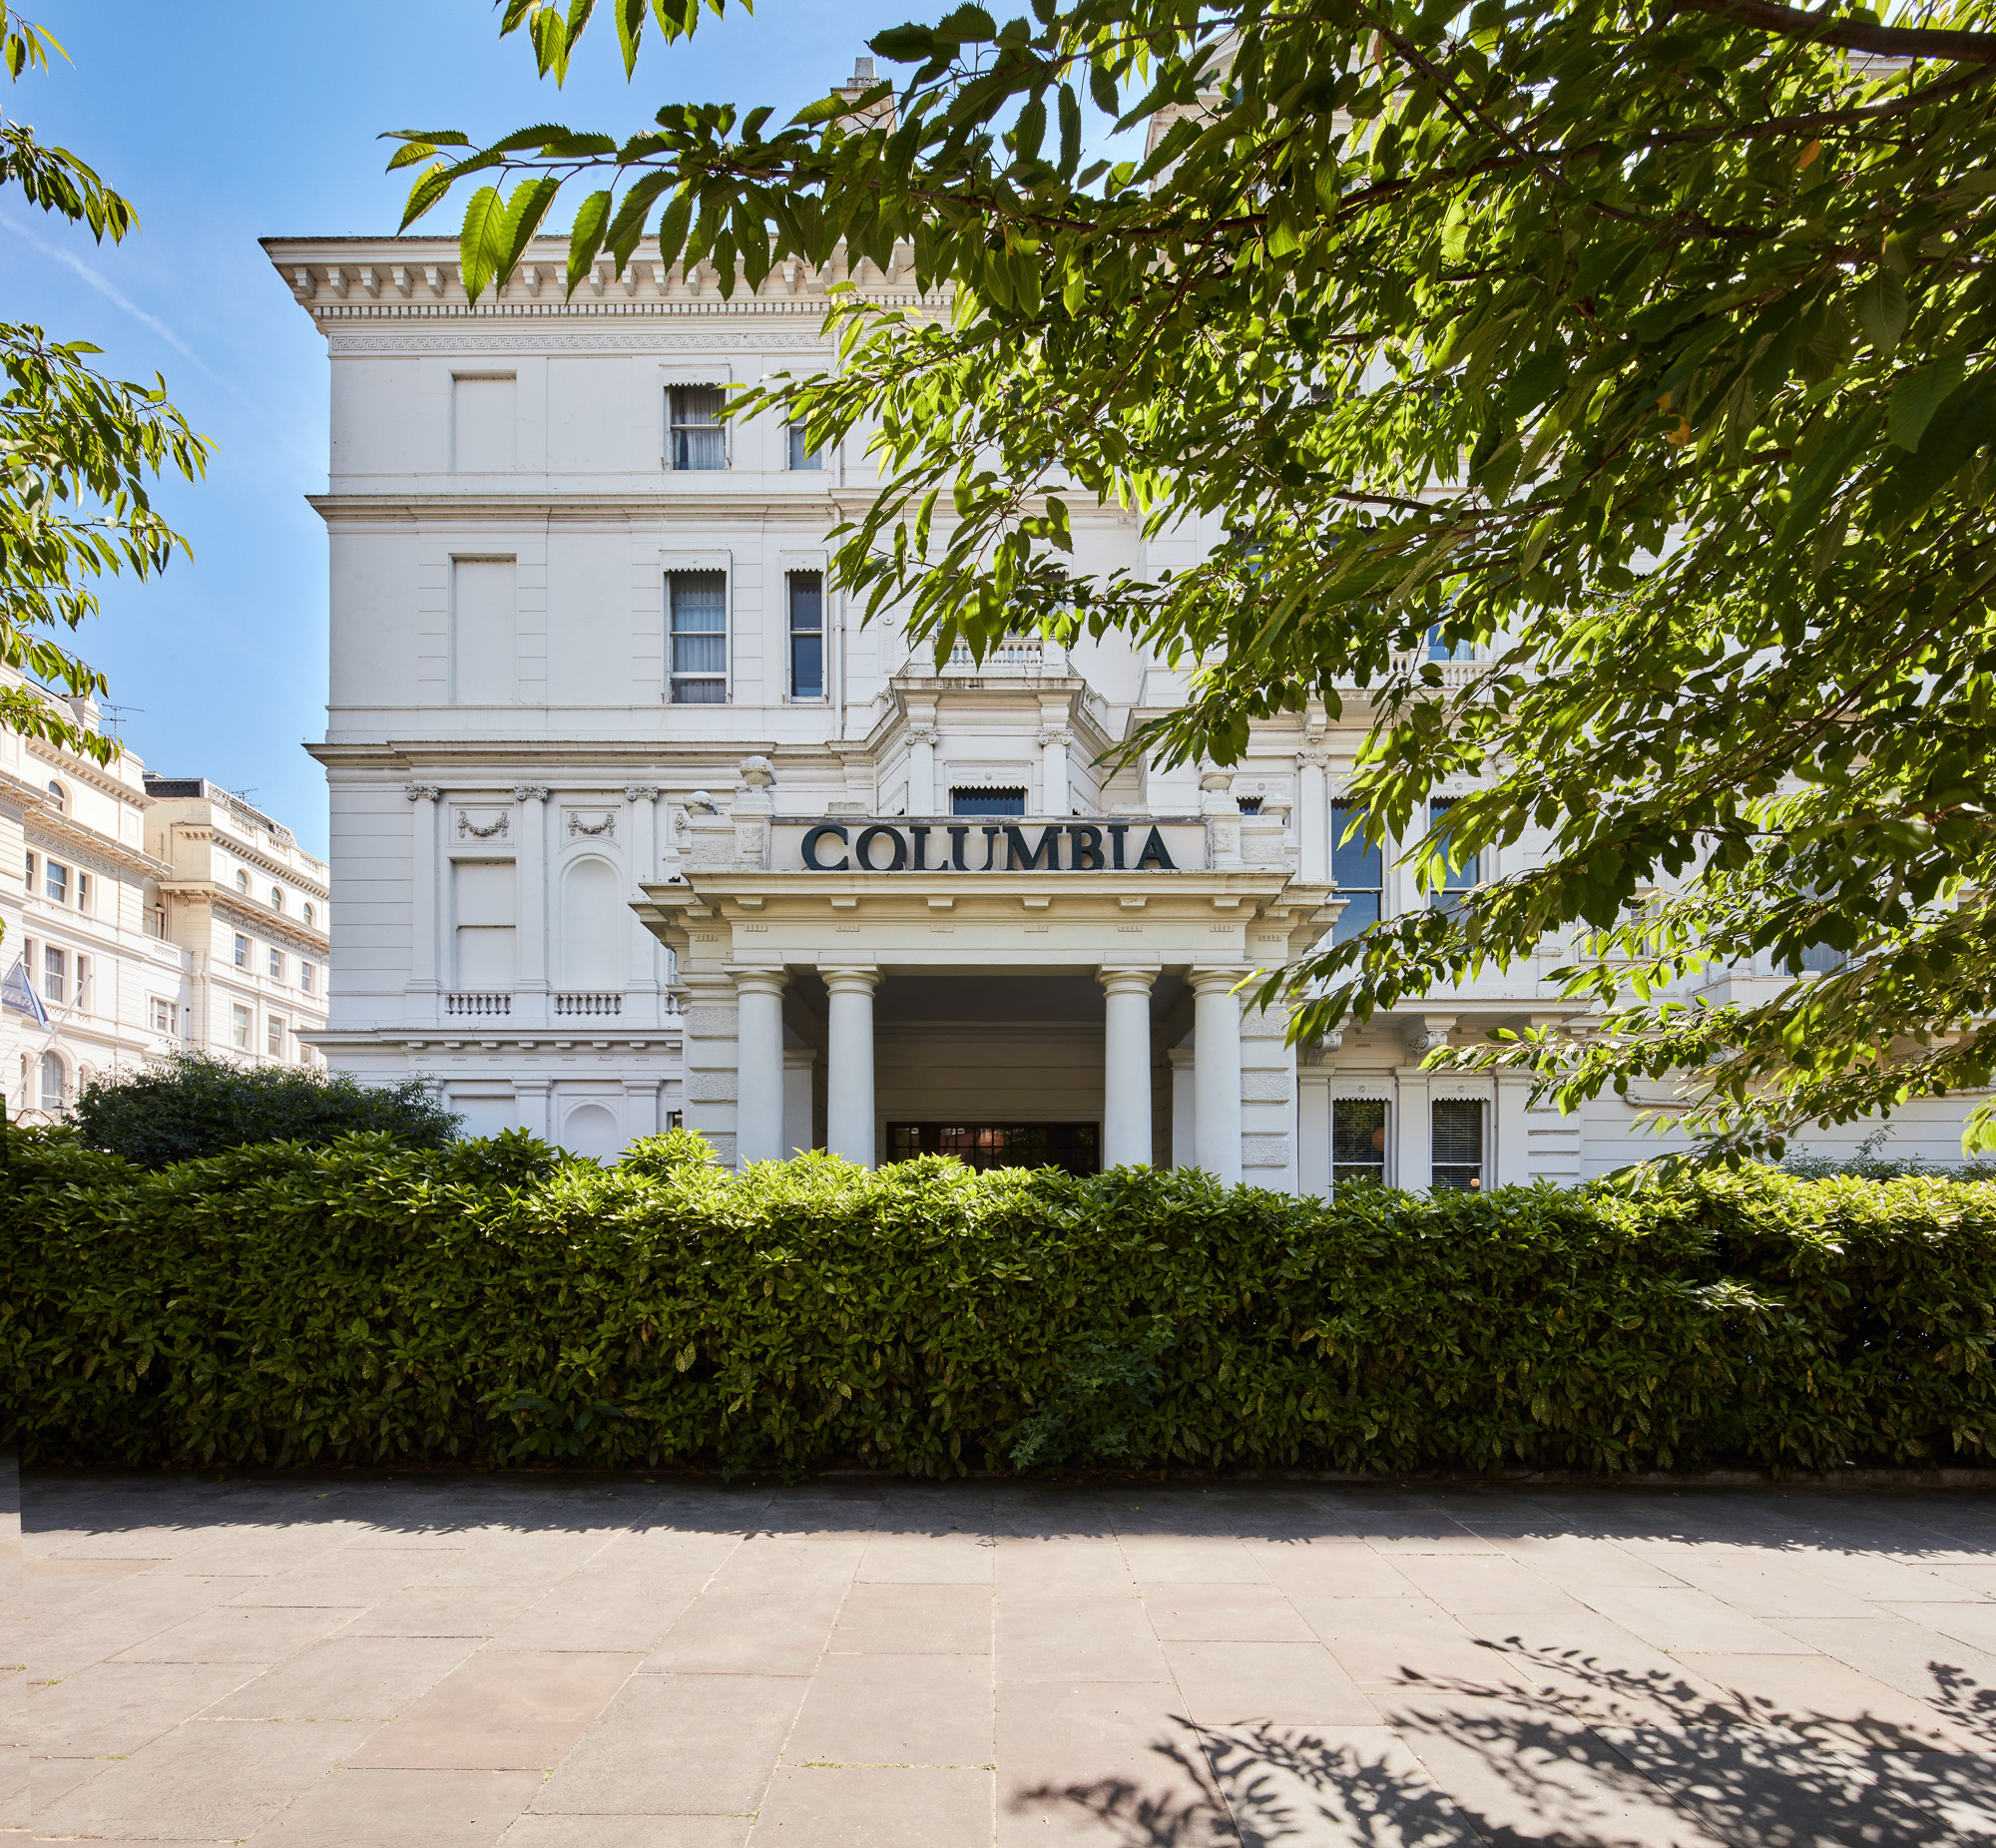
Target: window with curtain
(273, 1041)
(1358, 1140)
(56, 887)
(240, 1024)
(695, 435)
(805, 589)
(1360, 869)
(1458, 1145)
(55, 973)
(54, 1082)
(803, 455)
(699, 605)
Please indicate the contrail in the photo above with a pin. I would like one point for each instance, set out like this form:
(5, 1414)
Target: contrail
(103, 289)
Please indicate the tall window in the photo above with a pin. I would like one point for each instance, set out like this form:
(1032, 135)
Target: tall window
(803, 455)
(1439, 650)
(31, 874)
(807, 598)
(987, 801)
(276, 898)
(242, 880)
(166, 1016)
(55, 973)
(695, 438)
(243, 951)
(311, 917)
(54, 1086)
(240, 1025)
(1465, 870)
(80, 989)
(307, 978)
(273, 1036)
(276, 965)
(83, 891)
(698, 601)
(1358, 1140)
(1360, 867)
(1458, 1144)
(59, 796)
(58, 882)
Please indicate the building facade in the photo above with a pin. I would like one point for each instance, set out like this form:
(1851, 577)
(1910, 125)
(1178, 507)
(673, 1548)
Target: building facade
(635, 823)
(144, 916)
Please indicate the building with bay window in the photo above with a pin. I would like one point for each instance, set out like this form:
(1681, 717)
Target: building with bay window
(635, 823)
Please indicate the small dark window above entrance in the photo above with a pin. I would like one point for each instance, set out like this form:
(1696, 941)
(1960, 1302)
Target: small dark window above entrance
(987, 801)
(1076, 1146)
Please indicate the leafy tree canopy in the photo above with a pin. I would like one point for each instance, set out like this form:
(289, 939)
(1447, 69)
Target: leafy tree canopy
(1647, 348)
(76, 448)
(195, 1104)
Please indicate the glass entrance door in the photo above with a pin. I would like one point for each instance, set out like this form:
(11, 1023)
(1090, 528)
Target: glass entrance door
(1076, 1146)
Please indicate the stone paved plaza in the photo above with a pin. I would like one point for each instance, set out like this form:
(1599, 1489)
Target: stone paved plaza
(372, 1661)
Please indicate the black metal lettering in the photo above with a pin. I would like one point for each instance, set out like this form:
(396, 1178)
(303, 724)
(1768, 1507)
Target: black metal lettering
(811, 839)
(1153, 852)
(1084, 851)
(957, 836)
(919, 861)
(864, 846)
(1020, 858)
(1117, 829)
(991, 835)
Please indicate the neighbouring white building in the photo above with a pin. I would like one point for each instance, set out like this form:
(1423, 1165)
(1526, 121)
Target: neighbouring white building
(144, 916)
(635, 823)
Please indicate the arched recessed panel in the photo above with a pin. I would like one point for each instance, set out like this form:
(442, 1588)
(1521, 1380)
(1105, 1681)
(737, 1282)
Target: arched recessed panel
(595, 927)
(592, 1130)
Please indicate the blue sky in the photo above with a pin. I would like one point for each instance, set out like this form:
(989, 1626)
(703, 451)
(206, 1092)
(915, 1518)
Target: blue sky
(225, 121)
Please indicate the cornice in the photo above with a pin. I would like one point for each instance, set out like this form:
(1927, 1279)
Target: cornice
(244, 850)
(235, 905)
(43, 822)
(558, 505)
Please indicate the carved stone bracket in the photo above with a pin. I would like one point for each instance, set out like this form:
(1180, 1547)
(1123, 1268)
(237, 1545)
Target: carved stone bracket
(639, 792)
(531, 792)
(422, 792)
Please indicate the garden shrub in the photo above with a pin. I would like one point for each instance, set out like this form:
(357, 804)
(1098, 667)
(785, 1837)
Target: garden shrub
(497, 1300)
(193, 1104)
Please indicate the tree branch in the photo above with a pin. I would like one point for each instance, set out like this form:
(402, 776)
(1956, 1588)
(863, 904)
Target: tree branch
(1852, 35)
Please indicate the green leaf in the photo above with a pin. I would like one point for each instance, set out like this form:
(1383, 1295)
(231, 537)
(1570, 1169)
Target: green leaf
(1917, 395)
(1882, 310)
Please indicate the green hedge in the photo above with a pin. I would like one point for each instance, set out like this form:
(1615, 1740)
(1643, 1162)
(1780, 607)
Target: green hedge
(494, 1300)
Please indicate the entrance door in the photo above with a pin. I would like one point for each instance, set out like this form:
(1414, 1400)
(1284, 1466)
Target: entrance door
(1076, 1146)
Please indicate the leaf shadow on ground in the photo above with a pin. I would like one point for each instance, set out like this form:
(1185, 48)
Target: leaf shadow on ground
(1591, 1756)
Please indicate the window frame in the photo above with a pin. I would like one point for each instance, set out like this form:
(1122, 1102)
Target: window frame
(243, 1027)
(1386, 1163)
(307, 976)
(725, 679)
(674, 426)
(241, 951)
(1478, 1184)
(273, 1036)
(792, 633)
(55, 971)
(56, 887)
(166, 1017)
(794, 433)
(1341, 809)
(1456, 880)
(275, 963)
(52, 1060)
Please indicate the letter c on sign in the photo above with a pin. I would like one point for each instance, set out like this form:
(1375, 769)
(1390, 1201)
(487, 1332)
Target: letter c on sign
(863, 849)
(811, 862)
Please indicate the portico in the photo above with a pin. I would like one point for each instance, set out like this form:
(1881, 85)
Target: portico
(1041, 1000)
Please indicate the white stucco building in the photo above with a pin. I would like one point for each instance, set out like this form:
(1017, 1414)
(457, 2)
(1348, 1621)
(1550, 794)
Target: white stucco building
(635, 823)
(143, 916)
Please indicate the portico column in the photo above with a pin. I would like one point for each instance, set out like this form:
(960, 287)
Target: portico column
(759, 1065)
(1126, 1066)
(1216, 1020)
(848, 1066)
(643, 981)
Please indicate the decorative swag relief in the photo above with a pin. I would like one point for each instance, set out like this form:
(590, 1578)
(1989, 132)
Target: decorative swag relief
(490, 823)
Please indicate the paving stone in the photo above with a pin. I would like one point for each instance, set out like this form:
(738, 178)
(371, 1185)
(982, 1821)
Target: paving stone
(246, 1634)
(1329, 1569)
(1393, 1642)
(914, 1620)
(779, 1564)
(500, 1714)
(896, 1711)
(1904, 1654)
(627, 1832)
(346, 1576)
(863, 1808)
(927, 1559)
(1059, 1568)
(1191, 1560)
(1103, 1762)
(620, 1610)
(1223, 1613)
(111, 1709)
(1691, 1621)
(1974, 1624)
(346, 1678)
(679, 1744)
(206, 1779)
(1228, 1684)
(749, 1634)
(444, 1610)
(1828, 1701)
(1078, 1639)
(1328, 1787)
(1475, 1585)
(403, 1809)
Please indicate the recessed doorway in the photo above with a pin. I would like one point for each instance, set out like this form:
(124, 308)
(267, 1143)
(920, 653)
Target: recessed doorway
(1076, 1146)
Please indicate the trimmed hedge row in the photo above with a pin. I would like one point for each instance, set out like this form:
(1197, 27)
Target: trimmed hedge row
(496, 1300)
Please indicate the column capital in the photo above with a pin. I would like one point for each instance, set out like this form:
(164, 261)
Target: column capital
(1205, 978)
(639, 792)
(1125, 978)
(424, 792)
(531, 792)
(765, 979)
(851, 978)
